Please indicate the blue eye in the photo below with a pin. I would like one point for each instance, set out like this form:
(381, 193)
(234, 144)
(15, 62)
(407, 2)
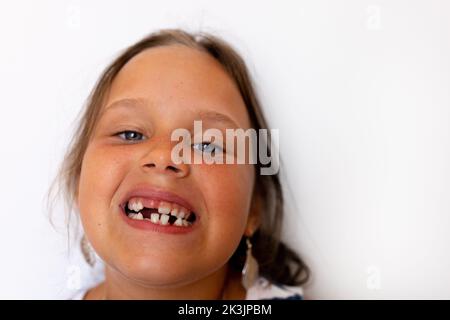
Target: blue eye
(130, 135)
(207, 147)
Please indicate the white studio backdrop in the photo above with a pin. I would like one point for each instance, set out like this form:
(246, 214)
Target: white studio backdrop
(358, 89)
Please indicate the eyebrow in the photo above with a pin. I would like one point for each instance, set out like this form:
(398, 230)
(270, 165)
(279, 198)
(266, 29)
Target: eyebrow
(125, 103)
(217, 117)
(213, 116)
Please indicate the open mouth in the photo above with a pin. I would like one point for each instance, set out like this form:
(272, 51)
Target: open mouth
(159, 212)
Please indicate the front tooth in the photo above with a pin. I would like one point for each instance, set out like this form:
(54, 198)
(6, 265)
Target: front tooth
(154, 217)
(185, 223)
(131, 215)
(164, 219)
(138, 216)
(164, 208)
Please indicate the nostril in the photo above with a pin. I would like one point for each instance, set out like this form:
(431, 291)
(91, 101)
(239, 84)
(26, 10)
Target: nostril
(168, 167)
(174, 169)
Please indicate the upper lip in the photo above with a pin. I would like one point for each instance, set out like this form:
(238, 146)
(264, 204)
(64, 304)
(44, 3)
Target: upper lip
(156, 194)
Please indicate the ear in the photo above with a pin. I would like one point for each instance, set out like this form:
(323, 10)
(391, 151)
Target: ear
(254, 217)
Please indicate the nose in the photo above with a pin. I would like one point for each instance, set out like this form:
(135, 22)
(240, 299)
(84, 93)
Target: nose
(158, 160)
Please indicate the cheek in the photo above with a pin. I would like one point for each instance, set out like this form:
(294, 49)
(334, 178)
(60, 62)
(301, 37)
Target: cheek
(101, 173)
(227, 190)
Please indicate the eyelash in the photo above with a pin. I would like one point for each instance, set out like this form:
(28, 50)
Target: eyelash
(119, 134)
(216, 147)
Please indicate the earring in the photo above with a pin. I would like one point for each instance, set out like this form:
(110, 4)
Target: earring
(250, 272)
(88, 252)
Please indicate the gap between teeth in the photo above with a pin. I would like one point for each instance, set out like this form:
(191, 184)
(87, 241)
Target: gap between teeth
(137, 206)
(156, 218)
(163, 215)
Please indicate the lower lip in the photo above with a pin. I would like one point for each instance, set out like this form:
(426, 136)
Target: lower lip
(149, 226)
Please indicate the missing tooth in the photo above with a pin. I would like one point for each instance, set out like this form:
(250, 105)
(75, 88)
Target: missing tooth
(147, 212)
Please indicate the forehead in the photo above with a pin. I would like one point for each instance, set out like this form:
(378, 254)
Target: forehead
(179, 78)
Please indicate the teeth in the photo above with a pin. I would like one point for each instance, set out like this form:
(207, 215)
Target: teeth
(157, 219)
(164, 208)
(138, 216)
(179, 222)
(182, 213)
(154, 217)
(138, 206)
(174, 212)
(164, 219)
(135, 205)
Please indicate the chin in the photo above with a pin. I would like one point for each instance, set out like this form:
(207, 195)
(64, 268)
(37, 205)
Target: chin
(156, 271)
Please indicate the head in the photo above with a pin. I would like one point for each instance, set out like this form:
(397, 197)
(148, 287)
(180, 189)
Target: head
(164, 82)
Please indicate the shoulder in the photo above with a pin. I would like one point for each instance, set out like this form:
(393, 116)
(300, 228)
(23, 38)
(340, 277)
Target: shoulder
(266, 290)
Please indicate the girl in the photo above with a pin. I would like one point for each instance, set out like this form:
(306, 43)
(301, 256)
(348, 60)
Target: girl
(169, 230)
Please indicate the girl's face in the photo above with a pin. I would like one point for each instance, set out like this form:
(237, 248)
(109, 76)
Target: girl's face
(159, 90)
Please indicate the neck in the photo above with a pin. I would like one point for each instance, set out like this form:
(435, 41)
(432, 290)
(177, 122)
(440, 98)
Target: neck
(117, 287)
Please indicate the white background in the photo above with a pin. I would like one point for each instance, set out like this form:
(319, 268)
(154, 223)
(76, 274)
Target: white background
(360, 91)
